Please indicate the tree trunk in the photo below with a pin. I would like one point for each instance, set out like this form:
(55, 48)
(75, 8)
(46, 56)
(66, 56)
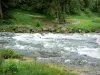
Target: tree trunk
(1, 13)
(57, 15)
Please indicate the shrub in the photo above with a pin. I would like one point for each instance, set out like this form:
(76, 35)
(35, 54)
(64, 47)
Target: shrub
(8, 53)
(38, 23)
(10, 69)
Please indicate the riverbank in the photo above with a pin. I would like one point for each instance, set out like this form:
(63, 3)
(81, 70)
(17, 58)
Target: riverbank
(50, 29)
(21, 21)
(12, 64)
(78, 65)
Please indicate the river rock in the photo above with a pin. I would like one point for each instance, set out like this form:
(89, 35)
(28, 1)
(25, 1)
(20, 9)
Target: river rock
(97, 31)
(63, 29)
(45, 29)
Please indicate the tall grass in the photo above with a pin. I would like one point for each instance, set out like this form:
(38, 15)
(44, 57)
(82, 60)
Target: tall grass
(10, 67)
(8, 53)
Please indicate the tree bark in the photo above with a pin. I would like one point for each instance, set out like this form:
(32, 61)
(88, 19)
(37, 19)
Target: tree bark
(1, 13)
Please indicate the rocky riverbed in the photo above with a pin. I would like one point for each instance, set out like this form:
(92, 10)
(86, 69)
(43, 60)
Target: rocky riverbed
(79, 51)
(52, 29)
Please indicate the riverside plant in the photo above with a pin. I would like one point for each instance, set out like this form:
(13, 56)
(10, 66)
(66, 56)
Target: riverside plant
(10, 67)
(8, 53)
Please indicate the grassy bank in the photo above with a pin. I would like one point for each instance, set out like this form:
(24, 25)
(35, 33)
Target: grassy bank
(11, 64)
(25, 22)
(17, 67)
(86, 23)
(20, 17)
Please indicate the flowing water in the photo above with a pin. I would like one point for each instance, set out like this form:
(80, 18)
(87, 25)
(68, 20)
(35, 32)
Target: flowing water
(46, 45)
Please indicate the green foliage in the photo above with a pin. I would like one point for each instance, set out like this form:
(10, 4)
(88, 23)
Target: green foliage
(97, 20)
(26, 7)
(38, 23)
(88, 12)
(53, 6)
(75, 7)
(10, 67)
(6, 22)
(87, 24)
(20, 17)
(8, 53)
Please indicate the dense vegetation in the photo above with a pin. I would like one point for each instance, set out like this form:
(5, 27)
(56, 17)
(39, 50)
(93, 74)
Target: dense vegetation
(11, 64)
(46, 13)
(52, 7)
(8, 53)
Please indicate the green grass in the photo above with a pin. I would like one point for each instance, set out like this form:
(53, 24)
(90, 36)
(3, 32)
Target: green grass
(8, 53)
(96, 20)
(17, 67)
(88, 24)
(20, 17)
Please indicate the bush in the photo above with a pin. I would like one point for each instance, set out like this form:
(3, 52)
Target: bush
(38, 23)
(10, 69)
(8, 53)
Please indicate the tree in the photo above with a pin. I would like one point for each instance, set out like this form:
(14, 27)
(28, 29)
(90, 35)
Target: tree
(1, 13)
(56, 8)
